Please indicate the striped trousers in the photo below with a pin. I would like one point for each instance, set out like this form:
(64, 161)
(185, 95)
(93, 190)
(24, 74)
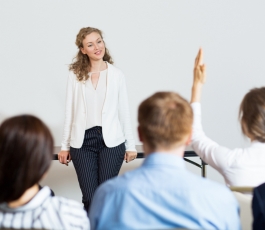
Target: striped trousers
(95, 163)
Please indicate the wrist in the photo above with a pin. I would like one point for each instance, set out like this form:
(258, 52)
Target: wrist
(196, 93)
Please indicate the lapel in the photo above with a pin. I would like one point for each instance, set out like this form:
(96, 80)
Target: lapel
(109, 76)
(83, 86)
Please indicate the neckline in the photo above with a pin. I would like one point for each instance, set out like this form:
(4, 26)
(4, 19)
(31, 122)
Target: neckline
(90, 73)
(101, 71)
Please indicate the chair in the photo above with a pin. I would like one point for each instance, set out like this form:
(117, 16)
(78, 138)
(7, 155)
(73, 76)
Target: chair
(244, 198)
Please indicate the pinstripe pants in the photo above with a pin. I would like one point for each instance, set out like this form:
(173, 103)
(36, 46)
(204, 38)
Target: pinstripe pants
(95, 163)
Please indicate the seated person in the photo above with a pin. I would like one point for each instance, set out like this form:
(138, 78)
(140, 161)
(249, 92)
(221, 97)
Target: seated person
(162, 193)
(258, 207)
(240, 166)
(26, 152)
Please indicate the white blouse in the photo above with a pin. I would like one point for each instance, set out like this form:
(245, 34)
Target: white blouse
(95, 98)
(240, 166)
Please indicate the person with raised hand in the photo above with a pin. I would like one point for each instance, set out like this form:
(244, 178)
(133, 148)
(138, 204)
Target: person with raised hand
(240, 166)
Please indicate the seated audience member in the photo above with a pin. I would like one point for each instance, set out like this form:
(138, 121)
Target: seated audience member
(240, 166)
(26, 152)
(258, 207)
(162, 193)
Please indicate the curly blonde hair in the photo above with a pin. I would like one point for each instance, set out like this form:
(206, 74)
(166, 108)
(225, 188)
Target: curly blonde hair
(81, 63)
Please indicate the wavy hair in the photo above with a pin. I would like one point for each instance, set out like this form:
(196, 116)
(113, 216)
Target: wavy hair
(252, 114)
(81, 63)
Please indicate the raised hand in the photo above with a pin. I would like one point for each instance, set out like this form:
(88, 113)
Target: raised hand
(199, 71)
(199, 77)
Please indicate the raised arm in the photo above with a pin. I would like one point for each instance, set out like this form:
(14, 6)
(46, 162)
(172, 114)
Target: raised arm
(199, 77)
(212, 153)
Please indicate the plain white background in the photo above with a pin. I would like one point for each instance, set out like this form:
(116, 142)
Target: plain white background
(153, 42)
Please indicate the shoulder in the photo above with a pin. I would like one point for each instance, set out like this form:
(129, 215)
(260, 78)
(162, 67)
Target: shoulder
(71, 212)
(260, 189)
(209, 189)
(72, 76)
(64, 202)
(119, 184)
(219, 193)
(67, 208)
(115, 71)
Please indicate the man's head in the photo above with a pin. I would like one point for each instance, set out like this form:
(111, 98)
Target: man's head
(165, 121)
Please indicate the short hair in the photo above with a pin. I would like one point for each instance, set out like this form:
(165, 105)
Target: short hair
(252, 114)
(165, 119)
(26, 152)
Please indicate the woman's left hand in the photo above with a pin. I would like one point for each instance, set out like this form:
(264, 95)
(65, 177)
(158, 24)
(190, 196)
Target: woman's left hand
(130, 156)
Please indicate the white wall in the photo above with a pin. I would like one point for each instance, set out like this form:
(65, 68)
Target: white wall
(154, 42)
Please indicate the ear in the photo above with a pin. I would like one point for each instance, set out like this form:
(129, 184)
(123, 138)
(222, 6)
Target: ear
(140, 135)
(82, 50)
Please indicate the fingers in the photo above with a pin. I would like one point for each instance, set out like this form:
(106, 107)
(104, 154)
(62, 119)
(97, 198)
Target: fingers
(199, 58)
(64, 157)
(69, 158)
(130, 156)
(200, 61)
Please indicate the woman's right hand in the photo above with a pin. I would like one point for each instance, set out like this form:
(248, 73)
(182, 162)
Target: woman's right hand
(64, 157)
(199, 77)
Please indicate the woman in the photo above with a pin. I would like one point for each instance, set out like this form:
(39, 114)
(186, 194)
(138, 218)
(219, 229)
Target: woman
(26, 152)
(97, 130)
(240, 166)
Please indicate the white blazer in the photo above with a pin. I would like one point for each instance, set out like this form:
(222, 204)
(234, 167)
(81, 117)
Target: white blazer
(116, 124)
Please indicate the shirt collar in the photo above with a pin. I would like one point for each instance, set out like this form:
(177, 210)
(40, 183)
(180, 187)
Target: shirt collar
(158, 158)
(35, 202)
(257, 144)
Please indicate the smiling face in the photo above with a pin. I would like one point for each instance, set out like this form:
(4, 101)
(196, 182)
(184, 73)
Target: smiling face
(93, 46)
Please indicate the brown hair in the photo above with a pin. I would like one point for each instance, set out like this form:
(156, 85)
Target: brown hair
(164, 119)
(26, 152)
(252, 114)
(81, 63)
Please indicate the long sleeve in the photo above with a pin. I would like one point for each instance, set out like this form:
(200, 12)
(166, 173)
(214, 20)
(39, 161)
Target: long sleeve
(65, 145)
(215, 155)
(124, 116)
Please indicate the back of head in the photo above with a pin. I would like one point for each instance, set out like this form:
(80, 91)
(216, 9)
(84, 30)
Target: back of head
(165, 120)
(252, 113)
(26, 151)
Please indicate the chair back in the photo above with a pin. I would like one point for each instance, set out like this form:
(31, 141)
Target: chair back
(245, 200)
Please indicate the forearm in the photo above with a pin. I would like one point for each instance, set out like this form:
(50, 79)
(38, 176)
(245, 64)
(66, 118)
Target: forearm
(196, 92)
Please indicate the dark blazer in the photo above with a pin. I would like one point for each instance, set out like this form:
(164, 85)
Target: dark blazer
(258, 207)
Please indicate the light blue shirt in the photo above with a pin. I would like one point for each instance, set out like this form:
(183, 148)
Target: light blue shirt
(162, 194)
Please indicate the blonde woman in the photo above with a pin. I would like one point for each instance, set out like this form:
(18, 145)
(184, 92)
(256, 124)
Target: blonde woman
(97, 131)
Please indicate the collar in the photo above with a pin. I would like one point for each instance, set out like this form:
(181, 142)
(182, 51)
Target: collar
(35, 202)
(162, 159)
(257, 144)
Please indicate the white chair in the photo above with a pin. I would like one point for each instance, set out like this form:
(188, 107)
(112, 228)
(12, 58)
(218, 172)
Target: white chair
(244, 201)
